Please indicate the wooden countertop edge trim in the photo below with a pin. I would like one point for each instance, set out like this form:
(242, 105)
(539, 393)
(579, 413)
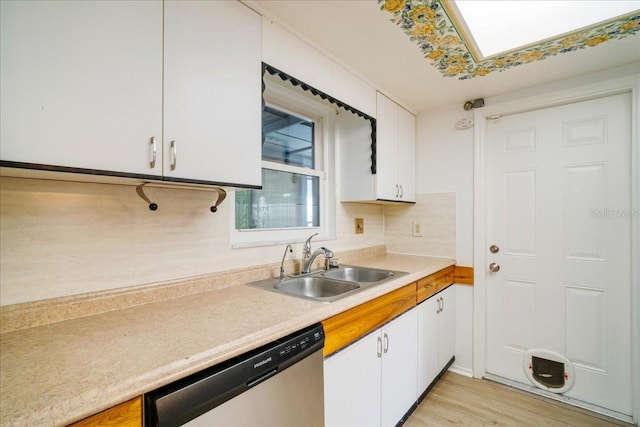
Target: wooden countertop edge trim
(126, 414)
(463, 275)
(351, 325)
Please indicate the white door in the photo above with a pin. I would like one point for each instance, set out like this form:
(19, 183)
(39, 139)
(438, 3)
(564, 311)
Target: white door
(352, 384)
(386, 148)
(427, 343)
(406, 155)
(212, 92)
(446, 326)
(399, 367)
(558, 193)
(81, 84)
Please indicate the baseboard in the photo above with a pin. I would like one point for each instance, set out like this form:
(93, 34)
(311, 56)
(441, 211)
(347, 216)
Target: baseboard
(467, 372)
(406, 416)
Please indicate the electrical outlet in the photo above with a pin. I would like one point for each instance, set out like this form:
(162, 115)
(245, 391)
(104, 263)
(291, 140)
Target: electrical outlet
(416, 229)
(359, 225)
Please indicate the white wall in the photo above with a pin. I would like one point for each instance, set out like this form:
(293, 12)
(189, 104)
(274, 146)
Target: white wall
(444, 163)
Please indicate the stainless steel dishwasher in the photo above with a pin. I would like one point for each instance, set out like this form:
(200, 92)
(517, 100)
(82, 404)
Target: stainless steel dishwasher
(279, 384)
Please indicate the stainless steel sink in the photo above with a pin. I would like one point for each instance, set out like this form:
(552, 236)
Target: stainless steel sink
(359, 274)
(316, 287)
(330, 285)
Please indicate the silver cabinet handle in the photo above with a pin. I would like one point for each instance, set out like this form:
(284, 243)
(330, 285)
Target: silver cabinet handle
(494, 267)
(174, 155)
(397, 191)
(154, 152)
(379, 347)
(401, 191)
(386, 343)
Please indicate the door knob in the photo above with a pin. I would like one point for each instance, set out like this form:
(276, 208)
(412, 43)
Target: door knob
(493, 267)
(494, 249)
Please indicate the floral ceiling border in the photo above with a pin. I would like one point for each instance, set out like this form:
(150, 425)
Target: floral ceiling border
(429, 23)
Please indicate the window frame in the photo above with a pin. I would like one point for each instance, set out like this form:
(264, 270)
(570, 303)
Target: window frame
(284, 97)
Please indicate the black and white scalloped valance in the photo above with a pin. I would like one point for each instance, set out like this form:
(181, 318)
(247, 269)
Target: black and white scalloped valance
(298, 83)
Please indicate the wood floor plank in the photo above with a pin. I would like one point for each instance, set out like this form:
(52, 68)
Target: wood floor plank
(457, 400)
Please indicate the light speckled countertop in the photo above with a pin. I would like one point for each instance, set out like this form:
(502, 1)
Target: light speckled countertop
(62, 372)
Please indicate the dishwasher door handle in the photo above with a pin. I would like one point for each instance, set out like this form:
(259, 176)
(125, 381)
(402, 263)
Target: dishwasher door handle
(261, 378)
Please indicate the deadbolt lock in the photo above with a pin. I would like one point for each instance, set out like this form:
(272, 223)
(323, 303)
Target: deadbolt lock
(494, 249)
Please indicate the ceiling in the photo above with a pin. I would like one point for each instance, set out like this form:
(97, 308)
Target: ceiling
(361, 36)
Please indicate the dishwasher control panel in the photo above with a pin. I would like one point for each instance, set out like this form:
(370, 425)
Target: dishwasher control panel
(283, 353)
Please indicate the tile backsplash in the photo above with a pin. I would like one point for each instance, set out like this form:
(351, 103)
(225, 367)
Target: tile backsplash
(436, 213)
(62, 238)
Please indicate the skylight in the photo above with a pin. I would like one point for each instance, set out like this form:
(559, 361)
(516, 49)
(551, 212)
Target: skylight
(498, 26)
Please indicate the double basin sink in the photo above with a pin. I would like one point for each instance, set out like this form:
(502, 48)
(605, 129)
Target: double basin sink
(328, 285)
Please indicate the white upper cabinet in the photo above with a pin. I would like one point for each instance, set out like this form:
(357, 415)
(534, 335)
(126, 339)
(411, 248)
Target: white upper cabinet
(395, 178)
(386, 181)
(81, 84)
(406, 155)
(213, 92)
(102, 86)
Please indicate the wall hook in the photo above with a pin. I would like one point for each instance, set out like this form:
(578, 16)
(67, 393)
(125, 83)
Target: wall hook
(221, 196)
(140, 191)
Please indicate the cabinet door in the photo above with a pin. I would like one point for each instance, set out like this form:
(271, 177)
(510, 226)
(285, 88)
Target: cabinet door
(213, 92)
(386, 148)
(427, 343)
(81, 83)
(406, 155)
(399, 367)
(446, 326)
(352, 384)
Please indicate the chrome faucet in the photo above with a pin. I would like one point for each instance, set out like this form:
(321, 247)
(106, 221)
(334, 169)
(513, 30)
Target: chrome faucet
(310, 257)
(306, 249)
(282, 275)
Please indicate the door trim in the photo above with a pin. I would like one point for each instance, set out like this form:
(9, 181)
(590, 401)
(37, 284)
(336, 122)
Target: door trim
(629, 84)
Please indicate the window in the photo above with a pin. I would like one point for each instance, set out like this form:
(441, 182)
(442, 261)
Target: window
(290, 196)
(293, 202)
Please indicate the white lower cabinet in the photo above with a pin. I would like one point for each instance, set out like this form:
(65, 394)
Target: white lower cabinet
(436, 336)
(373, 382)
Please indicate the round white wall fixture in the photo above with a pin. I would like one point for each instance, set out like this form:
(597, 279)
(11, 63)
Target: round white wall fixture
(464, 124)
(548, 370)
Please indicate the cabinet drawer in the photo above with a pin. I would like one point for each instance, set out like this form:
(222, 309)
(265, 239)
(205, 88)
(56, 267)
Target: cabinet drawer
(345, 328)
(434, 283)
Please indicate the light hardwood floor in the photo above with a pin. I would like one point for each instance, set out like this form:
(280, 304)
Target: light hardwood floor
(457, 400)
